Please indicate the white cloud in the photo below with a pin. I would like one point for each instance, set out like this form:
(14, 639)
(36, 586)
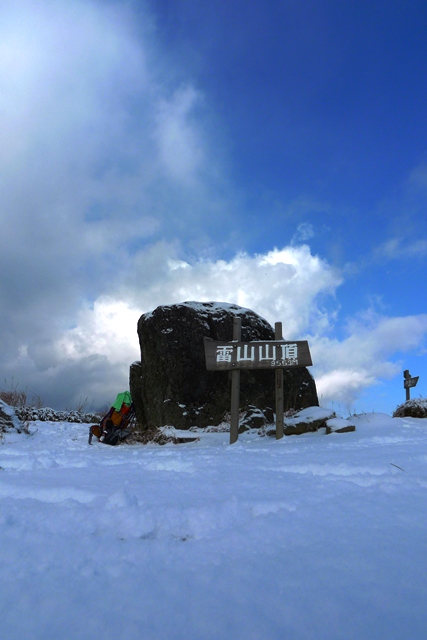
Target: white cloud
(369, 354)
(95, 137)
(108, 329)
(343, 385)
(304, 232)
(181, 146)
(289, 285)
(69, 73)
(94, 140)
(397, 248)
(280, 285)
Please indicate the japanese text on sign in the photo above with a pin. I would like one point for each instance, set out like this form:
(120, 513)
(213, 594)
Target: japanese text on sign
(256, 355)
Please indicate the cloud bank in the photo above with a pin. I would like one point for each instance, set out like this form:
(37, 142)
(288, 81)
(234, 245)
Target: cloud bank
(102, 154)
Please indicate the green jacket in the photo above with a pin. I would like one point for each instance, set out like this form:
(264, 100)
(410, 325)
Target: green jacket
(125, 398)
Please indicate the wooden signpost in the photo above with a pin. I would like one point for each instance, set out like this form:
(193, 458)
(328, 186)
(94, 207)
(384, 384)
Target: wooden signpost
(279, 387)
(275, 354)
(409, 382)
(235, 386)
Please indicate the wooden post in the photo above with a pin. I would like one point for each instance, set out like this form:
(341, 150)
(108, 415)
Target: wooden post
(279, 387)
(407, 377)
(235, 387)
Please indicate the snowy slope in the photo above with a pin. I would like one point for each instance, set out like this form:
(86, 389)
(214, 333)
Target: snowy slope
(311, 537)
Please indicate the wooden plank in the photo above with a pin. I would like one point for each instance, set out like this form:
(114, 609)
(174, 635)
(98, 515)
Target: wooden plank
(235, 387)
(268, 354)
(279, 387)
(410, 382)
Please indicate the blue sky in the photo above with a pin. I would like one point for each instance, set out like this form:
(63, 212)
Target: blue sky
(270, 154)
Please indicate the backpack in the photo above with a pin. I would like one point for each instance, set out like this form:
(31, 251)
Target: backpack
(117, 424)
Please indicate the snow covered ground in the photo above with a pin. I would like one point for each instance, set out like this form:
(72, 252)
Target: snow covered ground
(310, 537)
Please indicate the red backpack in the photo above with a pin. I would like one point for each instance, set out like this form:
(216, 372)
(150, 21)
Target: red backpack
(115, 425)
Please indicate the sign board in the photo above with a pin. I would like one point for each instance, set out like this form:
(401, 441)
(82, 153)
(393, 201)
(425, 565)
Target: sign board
(410, 382)
(271, 354)
(264, 354)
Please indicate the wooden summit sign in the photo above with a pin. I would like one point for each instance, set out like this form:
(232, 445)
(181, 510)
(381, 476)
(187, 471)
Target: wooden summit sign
(267, 354)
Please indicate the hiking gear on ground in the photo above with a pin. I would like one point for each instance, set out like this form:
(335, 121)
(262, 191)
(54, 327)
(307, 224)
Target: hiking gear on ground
(118, 423)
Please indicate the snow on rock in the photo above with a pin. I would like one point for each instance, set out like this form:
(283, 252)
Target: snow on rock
(46, 414)
(315, 418)
(205, 308)
(415, 408)
(255, 418)
(312, 419)
(8, 418)
(310, 415)
(339, 425)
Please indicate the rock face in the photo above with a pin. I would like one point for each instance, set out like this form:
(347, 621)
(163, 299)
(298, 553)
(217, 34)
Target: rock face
(170, 386)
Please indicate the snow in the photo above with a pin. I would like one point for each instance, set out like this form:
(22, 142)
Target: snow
(417, 407)
(309, 415)
(201, 307)
(338, 423)
(207, 308)
(10, 414)
(310, 537)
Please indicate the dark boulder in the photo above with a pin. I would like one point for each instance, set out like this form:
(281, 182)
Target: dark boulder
(171, 386)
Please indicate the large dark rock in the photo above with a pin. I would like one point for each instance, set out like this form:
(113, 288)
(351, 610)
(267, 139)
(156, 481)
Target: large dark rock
(170, 386)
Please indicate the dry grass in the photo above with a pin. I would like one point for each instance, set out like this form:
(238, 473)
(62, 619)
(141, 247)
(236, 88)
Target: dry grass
(156, 435)
(14, 396)
(18, 398)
